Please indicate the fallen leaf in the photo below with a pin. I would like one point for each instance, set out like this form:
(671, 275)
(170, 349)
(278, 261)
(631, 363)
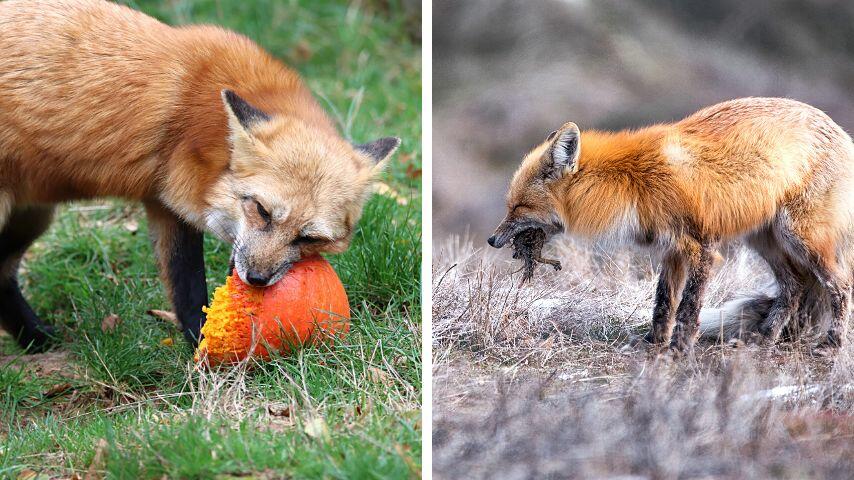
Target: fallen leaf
(165, 316)
(316, 428)
(413, 172)
(27, 474)
(364, 410)
(57, 390)
(109, 323)
(279, 410)
(303, 51)
(377, 375)
(405, 453)
(167, 341)
(383, 189)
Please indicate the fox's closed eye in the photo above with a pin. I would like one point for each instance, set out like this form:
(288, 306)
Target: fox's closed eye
(265, 215)
(518, 206)
(309, 240)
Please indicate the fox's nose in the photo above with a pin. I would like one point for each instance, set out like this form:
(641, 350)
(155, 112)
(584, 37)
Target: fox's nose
(257, 280)
(491, 241)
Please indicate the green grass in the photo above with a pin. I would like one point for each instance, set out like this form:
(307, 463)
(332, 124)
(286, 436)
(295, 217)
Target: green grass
(127, 405)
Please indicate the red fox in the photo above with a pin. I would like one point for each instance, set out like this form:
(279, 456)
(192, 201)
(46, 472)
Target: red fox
(776, 173)
(198, 123)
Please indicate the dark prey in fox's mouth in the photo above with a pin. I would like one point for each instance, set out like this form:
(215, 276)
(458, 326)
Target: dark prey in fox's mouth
(528, 246)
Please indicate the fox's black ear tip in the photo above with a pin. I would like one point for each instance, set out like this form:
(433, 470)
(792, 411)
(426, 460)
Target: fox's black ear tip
(389, 143)
(246, 114)
(379, 149)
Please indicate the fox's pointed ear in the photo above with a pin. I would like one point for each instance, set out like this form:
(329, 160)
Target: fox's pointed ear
(563, 152)
(241, 118)
(379, 150)
(241, 112)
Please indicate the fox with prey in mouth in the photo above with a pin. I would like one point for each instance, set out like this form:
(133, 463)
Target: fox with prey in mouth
(775, 173)
(198, 123)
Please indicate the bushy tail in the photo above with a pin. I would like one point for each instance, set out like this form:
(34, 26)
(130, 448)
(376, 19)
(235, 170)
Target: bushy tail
(735, 318)
(745, 315)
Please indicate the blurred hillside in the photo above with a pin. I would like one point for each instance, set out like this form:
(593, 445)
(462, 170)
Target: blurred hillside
(507, 72)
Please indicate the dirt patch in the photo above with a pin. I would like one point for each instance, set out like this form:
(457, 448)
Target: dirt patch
(42, 364)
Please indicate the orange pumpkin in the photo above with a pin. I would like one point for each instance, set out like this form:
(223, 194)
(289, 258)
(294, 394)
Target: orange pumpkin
(307, 305)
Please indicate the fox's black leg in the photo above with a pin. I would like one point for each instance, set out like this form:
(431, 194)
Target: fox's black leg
(808, 245)
(180, 254)
(788, 278)
(670, 284)
(699, 259)
(22, 227)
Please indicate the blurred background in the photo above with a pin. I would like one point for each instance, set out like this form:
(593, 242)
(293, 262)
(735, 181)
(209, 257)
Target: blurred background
(507, 72)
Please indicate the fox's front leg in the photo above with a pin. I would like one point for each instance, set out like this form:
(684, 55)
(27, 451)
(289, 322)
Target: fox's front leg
(180, 256)
(698, 257)
(667, 292)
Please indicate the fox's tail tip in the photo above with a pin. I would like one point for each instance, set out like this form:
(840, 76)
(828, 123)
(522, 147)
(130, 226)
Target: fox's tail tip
(734, 318)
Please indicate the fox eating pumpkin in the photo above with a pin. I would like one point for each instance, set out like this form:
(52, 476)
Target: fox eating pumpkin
(198, 123)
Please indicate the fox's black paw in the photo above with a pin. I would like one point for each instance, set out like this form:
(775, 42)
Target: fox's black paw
(635, 343)
(649, 337)
(829, 346)
(38, 341)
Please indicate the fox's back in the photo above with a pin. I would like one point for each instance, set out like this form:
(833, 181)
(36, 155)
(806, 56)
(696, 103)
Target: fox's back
(94, 93)
(73, 70)
(740, 161)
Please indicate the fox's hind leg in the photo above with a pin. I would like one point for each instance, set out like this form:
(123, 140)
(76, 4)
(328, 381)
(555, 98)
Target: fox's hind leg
(22, 226)
(814, 248)
(788, 279)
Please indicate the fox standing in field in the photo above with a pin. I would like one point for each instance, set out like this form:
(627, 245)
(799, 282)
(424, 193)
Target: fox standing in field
(198, 123)
(777, 173)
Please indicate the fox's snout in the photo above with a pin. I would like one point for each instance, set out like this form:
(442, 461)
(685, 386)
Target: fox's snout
(508, 228)
(501, 236)
(263, 278)
(505, 232)
(258, 279)
(262, 270)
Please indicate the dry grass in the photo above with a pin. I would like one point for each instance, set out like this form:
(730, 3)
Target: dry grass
(538, 381)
